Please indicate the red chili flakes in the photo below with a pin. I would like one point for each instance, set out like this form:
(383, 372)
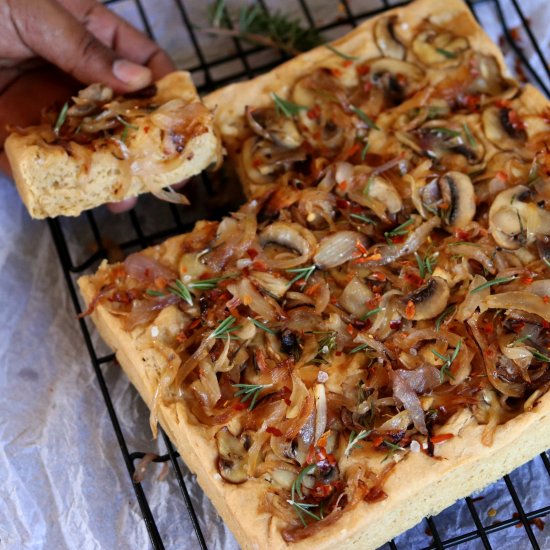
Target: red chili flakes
(546, 299)
(377, 288)
(487, 327)
(355, 148)
(342, 186)
(502, 176)
(410, 310)
(378, 441)
(363, 69)
(398, 239)
(314, 112)
(471, 102)
(350, 329)
(146, 129)
(489, 352)
(252, 253)
(502, 103)
(321, 491)
(274, 431)
(395, 324)
(312, 289)
(336, 72)
(347, 63)
(239, 406)
(378, 276)
(258, 265)
(440, 438)
(343, 204)
(256, 163)
(414, 279)
(515, 120)
(462, 235)
(367, 86)
(545, 324)
(526, 280)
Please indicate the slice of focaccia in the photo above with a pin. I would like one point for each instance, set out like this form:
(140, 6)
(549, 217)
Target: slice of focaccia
(367, 339)
(101, 148)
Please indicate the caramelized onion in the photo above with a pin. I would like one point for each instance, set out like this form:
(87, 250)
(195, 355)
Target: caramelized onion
(338, 248)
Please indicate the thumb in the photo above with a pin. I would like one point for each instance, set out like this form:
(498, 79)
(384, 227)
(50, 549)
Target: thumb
(54, 34)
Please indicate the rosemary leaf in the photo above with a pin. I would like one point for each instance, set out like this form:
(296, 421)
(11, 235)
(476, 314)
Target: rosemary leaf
(286, 108)
(364, 117)
(61, 117)
(498, 281)
(341, 54)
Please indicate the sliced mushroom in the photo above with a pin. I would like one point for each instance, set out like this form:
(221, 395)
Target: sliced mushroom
(450, 142)
(515, 219)
(232, 463)
(355, 297)
(503, 128)
(488, 79)
(279, 129)
(398, 79)
(386, 38)
(453, 197)
(428, 301)
(292, 237)
(338, 248)
(262, 161)
(438, 48)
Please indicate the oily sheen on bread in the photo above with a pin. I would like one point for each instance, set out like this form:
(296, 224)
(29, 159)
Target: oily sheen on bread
(366, 340)
(149, 142)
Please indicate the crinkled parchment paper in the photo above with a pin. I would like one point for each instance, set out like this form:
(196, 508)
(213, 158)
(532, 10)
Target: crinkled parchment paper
(64, 483)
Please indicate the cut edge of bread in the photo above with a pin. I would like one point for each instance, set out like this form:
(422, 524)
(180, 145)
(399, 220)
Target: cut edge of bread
(53, 182)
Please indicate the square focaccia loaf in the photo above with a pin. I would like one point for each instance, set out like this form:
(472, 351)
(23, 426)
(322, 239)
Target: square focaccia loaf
(366, 340)
(101, 148)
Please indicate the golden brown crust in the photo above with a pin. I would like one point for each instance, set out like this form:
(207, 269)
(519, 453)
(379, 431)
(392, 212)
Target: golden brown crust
(229, 103)
(418, 486)
(52, 181)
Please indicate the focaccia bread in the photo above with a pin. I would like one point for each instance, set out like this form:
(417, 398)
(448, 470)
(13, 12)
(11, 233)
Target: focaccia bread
(100, 148)
(367, 339)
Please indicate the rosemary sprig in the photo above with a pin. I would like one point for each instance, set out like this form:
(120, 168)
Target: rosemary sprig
(326, 344)
(445, 131)
(304, 508)
(518, 341)
(179, 289)
(364, 117)
(262, 326)
(366, 189)
(443, 316)
(497, 281)
(225, 328)
(399, 230)
(446, 53)
(61, 117)
(341, 54)
(363, 218)
(447, 362)
(393, 448)
(286, 108)
(354, 440)
(257, 26)
(370, 313)
(127, 128)
(540, 356)
(469, 135)
(425, 265)
(301, 273)
(359, 348)
(209, 284)
(156, 293)
(296, 488)
(364, 151)
(250, 391)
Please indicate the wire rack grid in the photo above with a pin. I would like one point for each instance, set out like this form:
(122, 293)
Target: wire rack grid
(240, 62)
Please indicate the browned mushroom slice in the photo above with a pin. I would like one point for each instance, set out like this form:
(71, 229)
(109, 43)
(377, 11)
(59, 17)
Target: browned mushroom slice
(450, 142)
(427, 302)
(398, 79)
(515, 219)
(232, 463)
(386, 38)
(452, 197)
(439, 48)
(262, 161)
(280, 129)
(503, 127)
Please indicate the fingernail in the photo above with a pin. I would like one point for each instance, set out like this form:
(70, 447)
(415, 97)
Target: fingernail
(133, 75)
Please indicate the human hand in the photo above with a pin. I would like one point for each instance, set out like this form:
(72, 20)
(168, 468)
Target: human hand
(48, 47)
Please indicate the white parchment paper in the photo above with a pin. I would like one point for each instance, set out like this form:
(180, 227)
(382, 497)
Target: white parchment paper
(63, 481)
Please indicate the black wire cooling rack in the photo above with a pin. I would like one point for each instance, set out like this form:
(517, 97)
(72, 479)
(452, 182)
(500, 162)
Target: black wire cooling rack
(151, 222)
